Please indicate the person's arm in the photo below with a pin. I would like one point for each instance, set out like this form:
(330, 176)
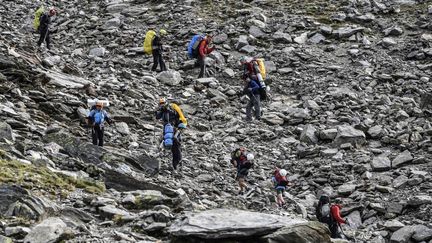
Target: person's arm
(202, 47)
(158, 114)
(254, 86)
(209, 50)
(90, 117)
(336, 214)
(108, 118)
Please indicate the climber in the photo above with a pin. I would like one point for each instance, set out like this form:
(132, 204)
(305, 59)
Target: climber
(158, 50)
(280, 182)
(251, 89)
(96, 119)
(250, 68)
(43, 29)
(330, 215)
(174, 122)
(203, 51)
(243, 162)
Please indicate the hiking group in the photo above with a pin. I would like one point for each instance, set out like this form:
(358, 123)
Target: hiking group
(174, 121)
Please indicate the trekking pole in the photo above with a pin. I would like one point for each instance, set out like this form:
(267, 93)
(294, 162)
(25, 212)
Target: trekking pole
(346, 236)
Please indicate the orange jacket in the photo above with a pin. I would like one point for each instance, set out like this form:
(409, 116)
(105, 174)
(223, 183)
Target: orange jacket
(203, 48)
(335, 211)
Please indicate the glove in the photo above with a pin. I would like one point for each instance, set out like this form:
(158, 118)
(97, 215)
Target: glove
(347, 222)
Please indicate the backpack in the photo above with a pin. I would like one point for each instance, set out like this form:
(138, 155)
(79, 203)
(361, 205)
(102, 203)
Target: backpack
(168, 136)
(99, 117)
(148, 42)
(39, 12)
(262, 90)
(281, 180)
(324, 211)
(261, 67)
(193, 47)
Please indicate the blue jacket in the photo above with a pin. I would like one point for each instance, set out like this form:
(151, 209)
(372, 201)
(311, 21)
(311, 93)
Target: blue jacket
(92, 116)
(253, 84)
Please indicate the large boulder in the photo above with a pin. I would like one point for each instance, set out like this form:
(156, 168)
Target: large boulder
(300, 233)
(348, 134)
(49, 230)
(170, 77)
(221, 224)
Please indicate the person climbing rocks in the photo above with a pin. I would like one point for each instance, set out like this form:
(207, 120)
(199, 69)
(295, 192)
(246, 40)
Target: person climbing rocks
(280, 182)
(96, 120)
(243, 162)
(158, 50)
(203, 51)
(43, 29)
(251, 88)
(174, 122)
(330, 215)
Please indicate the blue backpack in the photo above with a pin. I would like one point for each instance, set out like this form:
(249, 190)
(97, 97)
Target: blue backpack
(168, 136)
(194, 45)
(99, 117)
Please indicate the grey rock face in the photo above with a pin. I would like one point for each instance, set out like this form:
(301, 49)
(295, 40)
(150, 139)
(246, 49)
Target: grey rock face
(49, 230)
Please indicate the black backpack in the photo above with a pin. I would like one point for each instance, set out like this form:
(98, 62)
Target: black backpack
(323, 211)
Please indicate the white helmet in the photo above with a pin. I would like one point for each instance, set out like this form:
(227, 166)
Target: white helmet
(250, 157)
(283, 172)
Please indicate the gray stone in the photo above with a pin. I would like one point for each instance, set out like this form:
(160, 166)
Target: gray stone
(112, 23)
(375, 131)
(256, 32)
(110, 211)
(388, 42)
(348, 134)
(281, 37)
(301, 39)
(213, 224)
(270, 66)
(393, 225)
(207, 81)
(242, 42)
(300, 233)
(422, 233)
(328, 134)
(346, 189)
(308, 135)
(402, 235)
(418, 200)
(393, 31)
(170, 77)
(97, 52)
(220, 38)
(317, 38)
(6, 131)
(122, 128)
(381, 163)
(51, 61)
(247, 49)
(402, 159)
(4, 239)
(50, 230)
(346, 32)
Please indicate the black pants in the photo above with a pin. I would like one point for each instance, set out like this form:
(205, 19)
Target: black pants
(44, 35)
(158, 59)
(97, 135)
(201, 62)
(334, 229)
(176, 153)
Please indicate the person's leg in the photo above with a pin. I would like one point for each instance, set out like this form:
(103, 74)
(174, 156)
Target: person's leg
(162, 63)
(202, 66)
(257, 107)
(155, 60)
(249, 109)
(47, 40)
(41, 37)
(100, 136)
(176, 153)
(94, 136)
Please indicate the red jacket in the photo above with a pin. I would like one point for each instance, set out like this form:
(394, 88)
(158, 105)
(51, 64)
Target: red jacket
(335, 211)
(203, 48)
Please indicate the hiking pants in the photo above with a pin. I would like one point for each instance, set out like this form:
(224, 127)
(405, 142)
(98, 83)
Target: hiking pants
(201, 62)
(158, 59)
(176, 153)
(97, 135)
(44, 35)
(255, 102)
(334, 229)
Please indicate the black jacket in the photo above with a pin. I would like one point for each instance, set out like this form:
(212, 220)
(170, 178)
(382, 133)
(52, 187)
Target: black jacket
(45, 21)
(168, 115)
(157, 44)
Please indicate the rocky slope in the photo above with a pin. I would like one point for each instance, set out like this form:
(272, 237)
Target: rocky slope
(346, 116)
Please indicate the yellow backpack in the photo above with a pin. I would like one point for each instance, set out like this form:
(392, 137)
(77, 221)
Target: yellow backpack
(148, 42)
(38, 14)
(261, 67)
(180, 113)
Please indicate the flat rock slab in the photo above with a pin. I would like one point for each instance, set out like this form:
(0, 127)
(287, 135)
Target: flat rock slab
(65, 80)
(229, 223)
